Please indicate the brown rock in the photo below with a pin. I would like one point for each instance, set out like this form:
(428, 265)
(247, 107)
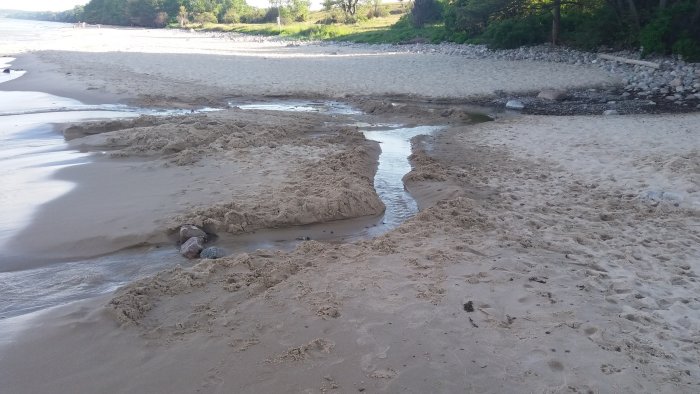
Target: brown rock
(189, 231)
(192, 247)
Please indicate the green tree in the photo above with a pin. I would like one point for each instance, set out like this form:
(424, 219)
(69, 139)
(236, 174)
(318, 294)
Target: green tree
(107, 12)
(299, 9)
(182, 16)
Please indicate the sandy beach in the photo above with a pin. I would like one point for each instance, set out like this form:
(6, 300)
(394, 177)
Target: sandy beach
(550, 253)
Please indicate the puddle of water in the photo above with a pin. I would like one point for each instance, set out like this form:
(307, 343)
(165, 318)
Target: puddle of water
(12, 74)
(326, 107)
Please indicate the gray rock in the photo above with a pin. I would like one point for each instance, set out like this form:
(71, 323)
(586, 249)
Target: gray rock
(552, 94)
(610, 112)
(188, 231)
(192, 247)
(212, 252)
(515, 104)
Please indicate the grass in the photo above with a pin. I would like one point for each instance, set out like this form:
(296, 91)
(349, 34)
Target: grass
(391, 28)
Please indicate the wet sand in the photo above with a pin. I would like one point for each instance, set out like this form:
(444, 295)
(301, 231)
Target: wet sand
(551, 254)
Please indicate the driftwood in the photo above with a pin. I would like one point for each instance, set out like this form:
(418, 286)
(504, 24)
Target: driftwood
(629, 61)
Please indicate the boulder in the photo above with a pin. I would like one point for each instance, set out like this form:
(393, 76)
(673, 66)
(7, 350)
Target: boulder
(552, 94)
(6, 71)
(515, 104)
(212, 252)
(192, 247)
(190, 231)
(610, 112)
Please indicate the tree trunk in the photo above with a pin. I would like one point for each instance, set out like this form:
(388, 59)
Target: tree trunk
(662, 4)
(696, 15)
(634, 14)
(556, 21)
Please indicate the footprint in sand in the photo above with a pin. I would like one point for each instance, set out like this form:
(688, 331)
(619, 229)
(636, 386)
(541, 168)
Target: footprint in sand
(555, 366)
(609, 369)
(212, 380)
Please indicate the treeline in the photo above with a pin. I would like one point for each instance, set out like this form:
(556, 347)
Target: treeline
(657, 26)
(159, 13)
(69, 16)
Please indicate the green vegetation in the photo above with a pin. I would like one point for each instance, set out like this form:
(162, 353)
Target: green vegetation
(657, 26)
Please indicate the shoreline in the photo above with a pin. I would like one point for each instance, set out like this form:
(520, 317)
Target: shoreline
(540, 256)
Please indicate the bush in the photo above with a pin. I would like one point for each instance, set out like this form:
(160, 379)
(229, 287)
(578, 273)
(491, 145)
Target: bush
(688, 48)
(254, 15)
(231, 16)
(594, 28)
(377, 12)
(161, 19)
(205, 17)
(425, 11)
(513, 33)
(471, 17)
(672, 31)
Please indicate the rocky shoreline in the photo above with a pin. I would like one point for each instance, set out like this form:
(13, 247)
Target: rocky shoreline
(673, 87)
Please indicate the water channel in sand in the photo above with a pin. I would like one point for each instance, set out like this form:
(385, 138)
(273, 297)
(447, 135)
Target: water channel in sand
(31, 151)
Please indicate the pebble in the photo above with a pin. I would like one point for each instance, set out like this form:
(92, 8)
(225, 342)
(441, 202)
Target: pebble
(515, 104)
(212, 252)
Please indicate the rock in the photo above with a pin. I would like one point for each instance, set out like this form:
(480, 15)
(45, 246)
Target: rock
(610, 112)
(515, 104)
(212, 252)
(552, 94)
(192, 247)
(6, 71)
(188, 231)
(676, 82)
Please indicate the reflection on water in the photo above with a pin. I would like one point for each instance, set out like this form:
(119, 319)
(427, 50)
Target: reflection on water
(39, 288)
(30, 152)
(10, 74)
(393, 165)
(326, 107)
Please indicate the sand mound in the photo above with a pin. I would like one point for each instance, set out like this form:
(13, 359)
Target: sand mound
(339, 186)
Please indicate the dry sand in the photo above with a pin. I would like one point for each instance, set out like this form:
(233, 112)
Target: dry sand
(161, 66)
(545, 257)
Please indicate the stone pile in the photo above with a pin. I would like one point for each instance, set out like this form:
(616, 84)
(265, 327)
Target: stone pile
(192, 240)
